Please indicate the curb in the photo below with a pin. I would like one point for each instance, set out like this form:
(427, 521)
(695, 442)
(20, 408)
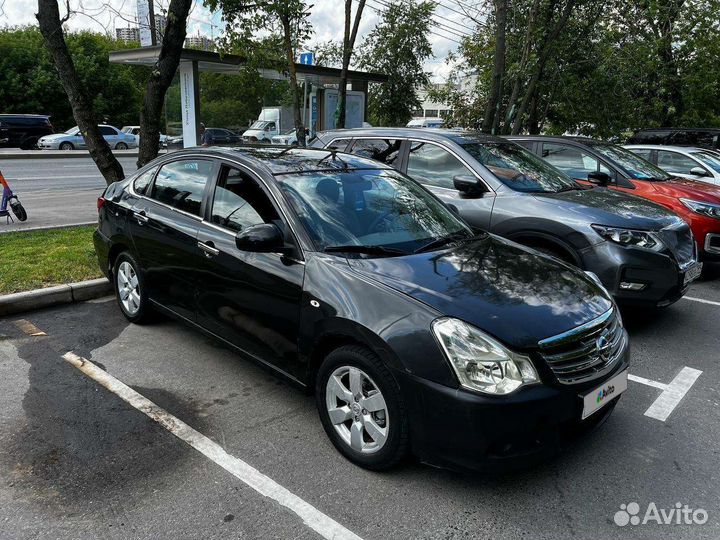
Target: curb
(62, 154)
(49, 227)
(53, 296)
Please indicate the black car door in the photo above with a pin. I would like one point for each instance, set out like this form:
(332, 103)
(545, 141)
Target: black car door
(164, 228)
(250, 299)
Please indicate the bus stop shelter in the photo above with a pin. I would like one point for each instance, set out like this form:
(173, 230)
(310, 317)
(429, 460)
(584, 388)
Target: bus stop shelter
(193, 61)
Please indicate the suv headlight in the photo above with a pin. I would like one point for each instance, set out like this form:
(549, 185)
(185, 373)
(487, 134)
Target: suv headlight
(699, 207)
(630, 237)
(480, 362)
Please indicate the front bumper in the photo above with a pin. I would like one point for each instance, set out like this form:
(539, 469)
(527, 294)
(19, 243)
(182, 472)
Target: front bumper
(660, 274)
(44, 145)
(458, 429)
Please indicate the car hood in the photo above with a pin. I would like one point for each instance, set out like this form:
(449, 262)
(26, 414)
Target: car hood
(612, 208)
(55, 136)
(509, 291)
(688, 189)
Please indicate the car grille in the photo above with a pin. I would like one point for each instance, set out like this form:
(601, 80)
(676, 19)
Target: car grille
(587, 352)
(680, 241)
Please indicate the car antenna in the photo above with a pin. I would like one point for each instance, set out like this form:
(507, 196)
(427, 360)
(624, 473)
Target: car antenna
(333, 154)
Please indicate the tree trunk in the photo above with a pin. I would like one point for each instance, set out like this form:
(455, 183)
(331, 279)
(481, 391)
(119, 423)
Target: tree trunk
(160, 80)
(348, 44)
(522, 66)
(48, 17)
(492, 110)
(545, 51)
(673, 104)
(290, 57)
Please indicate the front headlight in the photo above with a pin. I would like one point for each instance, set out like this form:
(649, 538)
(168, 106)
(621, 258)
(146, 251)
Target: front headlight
(630, 237)
(480, 362)
(699, 207)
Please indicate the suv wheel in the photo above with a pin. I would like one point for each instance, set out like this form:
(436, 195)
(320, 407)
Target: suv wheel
(67, 146)
(361, 408)
(130, 289)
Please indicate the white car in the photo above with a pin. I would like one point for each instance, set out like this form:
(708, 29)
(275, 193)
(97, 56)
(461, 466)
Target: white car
(684, 161)
(288, 138)
(425, 123)
(135, 130)
(72, 139)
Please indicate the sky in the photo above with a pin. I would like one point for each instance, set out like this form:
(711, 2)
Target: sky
(449, 22)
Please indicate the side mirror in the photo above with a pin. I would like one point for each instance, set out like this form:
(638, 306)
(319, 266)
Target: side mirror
(698, 171)
(599, 178)
(468, 184)
(261, 238)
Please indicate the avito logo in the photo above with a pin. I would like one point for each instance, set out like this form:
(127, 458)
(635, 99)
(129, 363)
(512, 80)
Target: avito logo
(605, 392)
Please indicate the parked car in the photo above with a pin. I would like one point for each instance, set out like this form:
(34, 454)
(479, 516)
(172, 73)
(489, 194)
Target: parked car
(23, 130)
(135, 130)
(222, 136)
(425, 123)
(72, 139)
(289, 138)
(596, 162)
(695, 137)
(348, 278)
(643, 253)
(683, 161)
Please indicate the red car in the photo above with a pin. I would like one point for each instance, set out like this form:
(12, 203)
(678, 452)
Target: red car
(601, 163)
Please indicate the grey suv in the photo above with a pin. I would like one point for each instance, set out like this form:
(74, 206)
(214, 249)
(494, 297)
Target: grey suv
(638, 249)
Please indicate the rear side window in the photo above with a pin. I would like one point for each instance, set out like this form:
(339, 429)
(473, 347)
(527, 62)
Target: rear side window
(181, 184)
(384, 150)
(338, 145)
(142, 182)
(107, 130)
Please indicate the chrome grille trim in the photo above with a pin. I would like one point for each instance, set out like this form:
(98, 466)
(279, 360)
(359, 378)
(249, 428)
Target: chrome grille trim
(587, 352)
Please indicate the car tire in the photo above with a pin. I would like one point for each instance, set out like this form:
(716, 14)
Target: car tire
(130, 291)
(121, 146)
(371, 431)
(66, 146)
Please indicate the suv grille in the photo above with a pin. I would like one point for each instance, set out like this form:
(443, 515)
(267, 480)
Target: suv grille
(587, 352)
(680, 241)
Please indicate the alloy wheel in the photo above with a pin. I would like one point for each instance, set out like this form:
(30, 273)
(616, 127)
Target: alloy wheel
(357, 409)
(128, 288)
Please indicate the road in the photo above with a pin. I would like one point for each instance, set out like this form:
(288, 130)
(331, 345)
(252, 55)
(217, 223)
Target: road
(79, 462)
(57, 191)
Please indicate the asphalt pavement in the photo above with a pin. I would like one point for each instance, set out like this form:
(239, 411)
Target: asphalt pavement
(56, 191)
(77, 461)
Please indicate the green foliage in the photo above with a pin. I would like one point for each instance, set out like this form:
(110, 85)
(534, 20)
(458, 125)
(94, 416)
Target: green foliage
(29, 84)
(398, 46)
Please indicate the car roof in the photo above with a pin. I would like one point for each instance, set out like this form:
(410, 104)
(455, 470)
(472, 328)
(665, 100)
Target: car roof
(284, 159)
(558, 138)
(438, 134)
(677, 129)
(681, 149)
(21, 115)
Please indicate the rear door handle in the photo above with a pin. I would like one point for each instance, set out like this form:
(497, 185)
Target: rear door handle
(141, 217)
(209, 249)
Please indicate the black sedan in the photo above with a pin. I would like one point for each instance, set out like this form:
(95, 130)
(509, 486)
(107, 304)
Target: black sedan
(353, 281)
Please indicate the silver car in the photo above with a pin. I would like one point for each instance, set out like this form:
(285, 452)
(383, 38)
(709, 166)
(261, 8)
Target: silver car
(72, 139)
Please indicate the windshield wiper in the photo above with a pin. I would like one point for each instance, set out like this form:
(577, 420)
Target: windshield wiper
(568, 188)
(368, 250)
(443, 240)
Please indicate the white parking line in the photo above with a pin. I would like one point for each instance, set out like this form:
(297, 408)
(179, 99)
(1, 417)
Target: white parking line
(701, 300)
(313, 518)
(671, 394)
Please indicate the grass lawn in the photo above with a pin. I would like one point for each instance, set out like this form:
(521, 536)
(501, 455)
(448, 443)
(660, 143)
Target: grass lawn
(31, 260)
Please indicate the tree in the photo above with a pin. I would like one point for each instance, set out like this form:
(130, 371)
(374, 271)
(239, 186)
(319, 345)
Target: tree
(398, 46)
(286, 18)
(349, 37)
(492, 112)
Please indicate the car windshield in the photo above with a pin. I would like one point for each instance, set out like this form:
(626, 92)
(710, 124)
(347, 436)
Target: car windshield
(709, 159)
(518, 168)
(636, 166)
(260, 124)
(72, 131)
(371, 212)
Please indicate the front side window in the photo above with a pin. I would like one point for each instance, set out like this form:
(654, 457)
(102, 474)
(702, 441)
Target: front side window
(711, 160)
(181, 184)
(339, 145)
(372, 207)
(433, 165)
(643, 153)
(636, 166)
(573, 161)
(141, 183)
(384, 150)
(518, 168)
(240, 202)
(674, 162)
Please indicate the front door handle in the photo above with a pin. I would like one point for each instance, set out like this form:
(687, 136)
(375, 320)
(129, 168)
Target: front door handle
(141, 217)
(209, 249)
